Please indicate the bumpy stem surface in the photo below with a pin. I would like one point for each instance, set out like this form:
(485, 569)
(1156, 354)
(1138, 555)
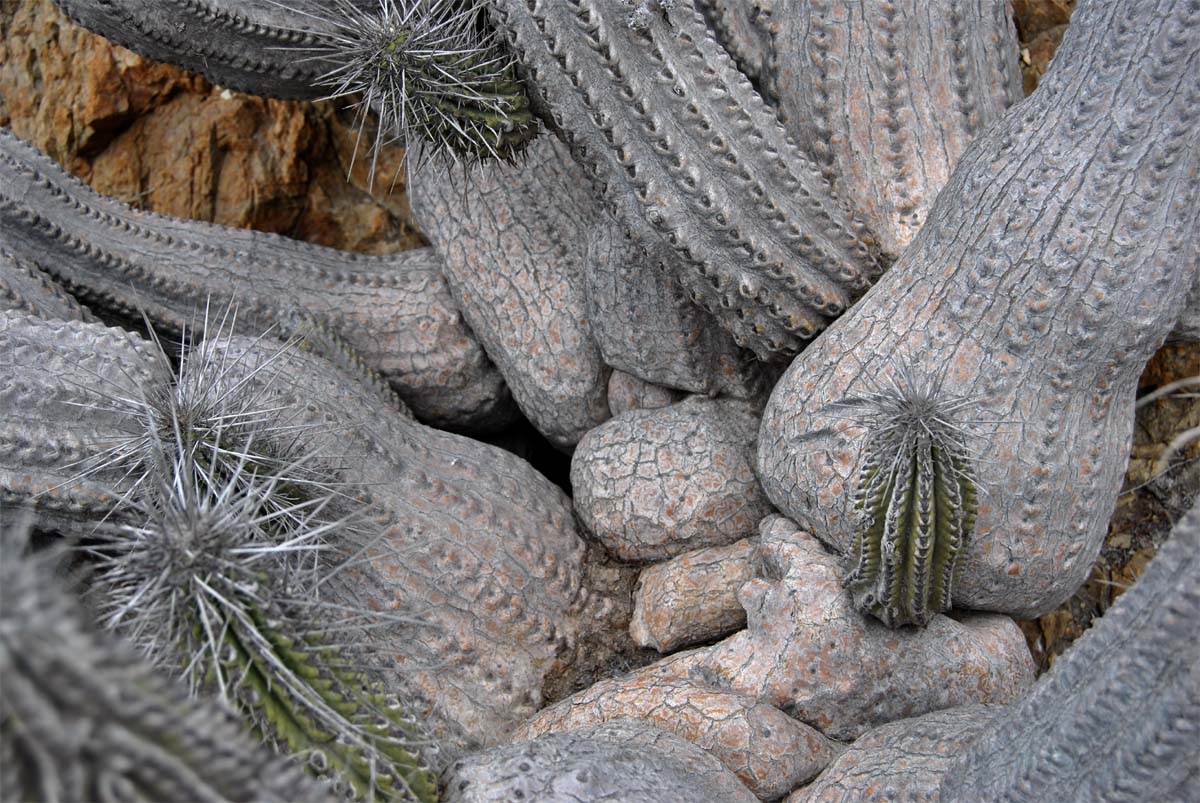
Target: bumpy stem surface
(1055, 262)
(393, 314)
(886, 95)
(683, 148)
(1118, 717)
(82, 719)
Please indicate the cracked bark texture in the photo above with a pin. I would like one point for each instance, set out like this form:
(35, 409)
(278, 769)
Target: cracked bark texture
(885, 96)
(693, 597)
(618, 762)
(626, 392)
(770, 752)
(515, 265)
(1118, 716)
(903, 760)
(807, 651)
(1054, 263)
(56, 400)
(645, 324)
(395, 312)
(684, 151)
(651, 484)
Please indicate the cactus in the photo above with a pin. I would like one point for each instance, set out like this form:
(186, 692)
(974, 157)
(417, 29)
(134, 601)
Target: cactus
(432, 73)
(683, 148)
(916, 494)
(81, 718)
(218, 567)
(394, 311)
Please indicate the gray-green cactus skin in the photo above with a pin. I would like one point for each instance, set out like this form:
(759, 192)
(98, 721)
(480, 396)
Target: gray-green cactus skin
(82, 718)
(473, 538)
(681, 147)
(395, 313)
(1118, 716)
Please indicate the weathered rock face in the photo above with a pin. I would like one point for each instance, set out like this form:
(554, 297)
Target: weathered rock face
(168, 141)
(903, 760)
(693, 597)
(652, 484)
(625, 761)
(769, 751)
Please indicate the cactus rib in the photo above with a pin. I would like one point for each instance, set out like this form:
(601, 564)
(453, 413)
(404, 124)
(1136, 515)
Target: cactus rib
(757, 234)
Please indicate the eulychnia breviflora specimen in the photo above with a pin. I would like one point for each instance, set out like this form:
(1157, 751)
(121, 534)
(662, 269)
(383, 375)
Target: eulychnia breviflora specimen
(219, 566)
(916, 495)
(683, 148)
(81, 718)
(426, 66)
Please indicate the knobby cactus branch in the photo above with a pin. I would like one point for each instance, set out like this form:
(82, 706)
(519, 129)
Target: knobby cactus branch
(916, 493)
(81, 718)
(682, 148)
(388, 316)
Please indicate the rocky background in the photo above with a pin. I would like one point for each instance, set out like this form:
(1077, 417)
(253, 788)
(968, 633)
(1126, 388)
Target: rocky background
(170, 142)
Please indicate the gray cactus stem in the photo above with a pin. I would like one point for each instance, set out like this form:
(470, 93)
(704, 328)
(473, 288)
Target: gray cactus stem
(886, 95)
(682, 148)
(395, 312)
(240, 44)
(59, 413)
(81, 718)
(1055, 262)
(738, 25)
(1118, 717)
(25, 287)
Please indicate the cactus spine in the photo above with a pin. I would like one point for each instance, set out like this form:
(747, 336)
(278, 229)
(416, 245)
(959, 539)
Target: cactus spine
(223, 575)
(81, 718)
(917, 497)
(432, 73)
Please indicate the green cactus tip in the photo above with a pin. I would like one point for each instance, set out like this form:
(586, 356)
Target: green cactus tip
(916, 495)
(223, 563)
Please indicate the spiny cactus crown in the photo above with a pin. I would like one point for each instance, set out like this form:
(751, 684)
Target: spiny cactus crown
(219, 567)
(916, 493)
(432, 72)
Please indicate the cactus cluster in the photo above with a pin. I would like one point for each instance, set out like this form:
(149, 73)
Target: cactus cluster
(219, 566)
(916, 494)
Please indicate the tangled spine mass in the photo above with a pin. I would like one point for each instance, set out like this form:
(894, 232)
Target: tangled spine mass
(226, 572)
(433, 73)
(917, 496)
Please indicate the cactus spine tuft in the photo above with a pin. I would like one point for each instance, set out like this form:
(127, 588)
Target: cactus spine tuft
(917, 496)
(433, 73)
(220, 566)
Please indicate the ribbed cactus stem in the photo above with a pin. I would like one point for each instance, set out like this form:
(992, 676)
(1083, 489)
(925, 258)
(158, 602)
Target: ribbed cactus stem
(684, 149)
(223, 575)
(916, 494)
